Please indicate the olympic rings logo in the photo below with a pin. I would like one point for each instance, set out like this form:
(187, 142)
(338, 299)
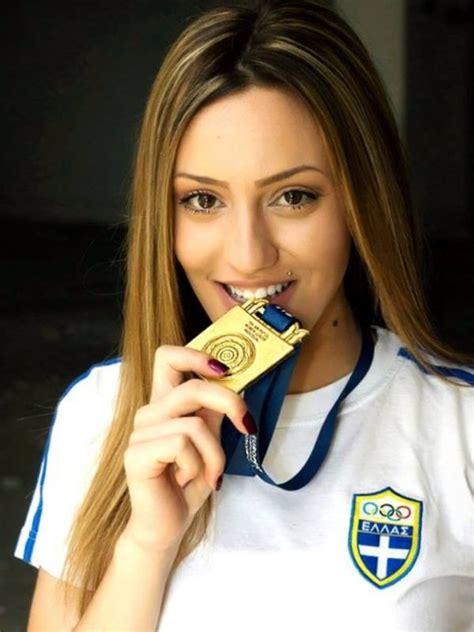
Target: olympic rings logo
(402, 512)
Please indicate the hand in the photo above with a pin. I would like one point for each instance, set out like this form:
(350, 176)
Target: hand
(174, 456)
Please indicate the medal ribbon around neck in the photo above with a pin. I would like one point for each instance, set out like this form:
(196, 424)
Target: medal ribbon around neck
(245, 453)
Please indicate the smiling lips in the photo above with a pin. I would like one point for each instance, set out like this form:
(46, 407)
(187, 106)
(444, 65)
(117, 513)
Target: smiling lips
(261, 292)
(279, 298)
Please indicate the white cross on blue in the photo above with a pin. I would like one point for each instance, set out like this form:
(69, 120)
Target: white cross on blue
(383, 553)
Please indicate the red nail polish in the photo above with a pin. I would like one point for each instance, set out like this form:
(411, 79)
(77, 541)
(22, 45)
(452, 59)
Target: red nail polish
(217, 366)
(249, 423)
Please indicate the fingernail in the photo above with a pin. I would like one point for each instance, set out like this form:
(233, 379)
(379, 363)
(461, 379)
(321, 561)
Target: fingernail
(219, 483)
(218, 367)
(249, 423)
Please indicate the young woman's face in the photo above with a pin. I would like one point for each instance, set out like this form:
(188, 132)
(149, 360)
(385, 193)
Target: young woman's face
(235, 228)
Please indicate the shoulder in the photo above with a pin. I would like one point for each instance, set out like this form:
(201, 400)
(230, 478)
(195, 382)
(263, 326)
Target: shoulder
(86, 407)
(417, 387)
(83, 415)
(97, 386)
(100, 380)
(389, 344)
(397, 372)
(463, 375)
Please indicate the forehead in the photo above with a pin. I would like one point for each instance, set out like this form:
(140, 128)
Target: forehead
(259, 130)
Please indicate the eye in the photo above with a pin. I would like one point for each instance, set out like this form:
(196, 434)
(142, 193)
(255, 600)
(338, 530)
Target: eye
(205, 199)
(202, 197)
(295, 197)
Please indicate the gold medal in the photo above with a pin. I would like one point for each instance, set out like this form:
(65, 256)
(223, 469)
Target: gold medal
(248, 345)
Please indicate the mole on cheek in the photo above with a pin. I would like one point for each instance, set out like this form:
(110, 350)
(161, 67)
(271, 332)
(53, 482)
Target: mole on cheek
(335, 323)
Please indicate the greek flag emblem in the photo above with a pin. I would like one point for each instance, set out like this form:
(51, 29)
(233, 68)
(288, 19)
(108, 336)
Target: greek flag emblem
(385, 535)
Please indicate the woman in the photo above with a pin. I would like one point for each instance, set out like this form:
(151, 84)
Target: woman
(268, 153)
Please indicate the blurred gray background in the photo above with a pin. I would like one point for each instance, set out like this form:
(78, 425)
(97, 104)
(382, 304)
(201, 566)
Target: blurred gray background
(76, 78)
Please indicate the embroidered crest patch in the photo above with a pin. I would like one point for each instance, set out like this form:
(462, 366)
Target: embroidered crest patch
(385, 535)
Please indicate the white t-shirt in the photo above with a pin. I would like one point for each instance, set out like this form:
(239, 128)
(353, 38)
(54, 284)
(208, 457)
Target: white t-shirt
(382, 538)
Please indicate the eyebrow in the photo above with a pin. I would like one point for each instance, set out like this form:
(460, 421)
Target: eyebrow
(260, 183)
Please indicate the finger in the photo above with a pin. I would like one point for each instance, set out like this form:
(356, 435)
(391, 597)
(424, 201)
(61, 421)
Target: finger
(169, 364)
(209, 449)
(191, 395)
(188, 466)
(145, 460)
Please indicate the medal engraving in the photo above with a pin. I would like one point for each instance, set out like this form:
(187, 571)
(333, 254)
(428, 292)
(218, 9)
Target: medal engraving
(249, 345)
(235, 350)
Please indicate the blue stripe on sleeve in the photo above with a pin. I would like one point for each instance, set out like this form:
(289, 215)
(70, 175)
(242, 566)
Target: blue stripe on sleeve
(30, 542)
(460, 374)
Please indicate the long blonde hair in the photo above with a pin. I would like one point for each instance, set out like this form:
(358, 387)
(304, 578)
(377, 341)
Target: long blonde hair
(298, 45)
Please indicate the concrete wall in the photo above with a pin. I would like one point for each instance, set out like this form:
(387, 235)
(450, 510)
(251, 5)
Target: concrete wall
(381, 26)
(424, 53)
(440, 115)
(75, 78)
(75, 82)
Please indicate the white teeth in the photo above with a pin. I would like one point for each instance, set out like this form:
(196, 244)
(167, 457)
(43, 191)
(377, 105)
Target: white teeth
(261, 292)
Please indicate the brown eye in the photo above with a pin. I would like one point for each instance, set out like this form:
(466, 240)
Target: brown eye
(204, 199)
(294, 197)
(205, 202)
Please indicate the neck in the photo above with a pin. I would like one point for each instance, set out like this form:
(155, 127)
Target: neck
(330, 352)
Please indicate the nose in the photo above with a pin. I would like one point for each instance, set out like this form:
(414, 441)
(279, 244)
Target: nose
(250, 243)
